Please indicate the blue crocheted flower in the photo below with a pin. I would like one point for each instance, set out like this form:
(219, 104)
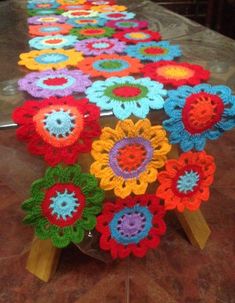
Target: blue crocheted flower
(126, 96)
(81, 22)
(199, 113)
(118, 15)
(53, 42)
(42, 5)
(153, 51)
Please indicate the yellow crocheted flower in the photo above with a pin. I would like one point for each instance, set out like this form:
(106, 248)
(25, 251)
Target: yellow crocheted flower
(109, 8)
(71, 2)
(48, 59)
(127, 158)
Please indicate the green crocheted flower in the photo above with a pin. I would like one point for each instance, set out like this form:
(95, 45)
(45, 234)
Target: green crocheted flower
(92, 32)
(44, 12)
(63, 205)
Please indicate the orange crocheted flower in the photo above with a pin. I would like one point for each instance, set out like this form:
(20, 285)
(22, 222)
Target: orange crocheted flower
(185, 182)
(48, 59)
(109, 8)
(127, 158)
(49, 29)
(110, 65)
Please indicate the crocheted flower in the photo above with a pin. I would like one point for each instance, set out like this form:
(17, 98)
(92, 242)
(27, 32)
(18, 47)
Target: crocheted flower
(58, 129)
(118, 15)
(101, 2)
(70, 7)
(92, 32)
(110, 65)
(42, 5)
(128, 157)
(46, 19)
(185, 182)
(50, 42)
(199, 113)
(47, 59)
(84, 21)
(136, 36)
(131, 226)
(50, 83)
(63, 205)
(70, 2)
(49, 29)
(44, 12)
(105, 8)
(100, 46)
(128, 24)
(176, 73)
(154, 51)
(127, 96)
(80, 13)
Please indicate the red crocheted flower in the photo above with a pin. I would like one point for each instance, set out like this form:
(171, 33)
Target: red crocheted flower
(135, 36)
(49, 29)
(58, 128)
(176, 73)
(131, 226)
(185, 182)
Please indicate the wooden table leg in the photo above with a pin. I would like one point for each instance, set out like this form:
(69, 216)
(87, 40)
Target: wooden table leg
(195, 227)
(43, 259)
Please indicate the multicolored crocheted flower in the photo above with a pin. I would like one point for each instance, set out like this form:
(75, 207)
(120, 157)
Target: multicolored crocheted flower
(154, 51)
(50, 83)
(44, 12)
(127, 96)
(110, 65)
(128, 24)
(128, 157)
(49, 29)
(100, 46)
(46, 19)
(58, 128)
(82, 22)
(42, 5)
(48, 59)
(185, 182)
(63, 205)
(135, 36)
(80, 13)
(92, 32)
(105, 8)
(199, 113)
(131, 226)
(51, 42)
(176, 73)
(118, 15)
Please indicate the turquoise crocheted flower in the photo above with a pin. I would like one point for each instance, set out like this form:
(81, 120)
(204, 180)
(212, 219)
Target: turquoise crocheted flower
(53, 42)
(126, 96)
(153, 51)
(199, 113)
(82, 22)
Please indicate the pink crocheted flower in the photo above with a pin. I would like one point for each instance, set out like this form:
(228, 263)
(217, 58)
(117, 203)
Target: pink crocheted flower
(100, 46)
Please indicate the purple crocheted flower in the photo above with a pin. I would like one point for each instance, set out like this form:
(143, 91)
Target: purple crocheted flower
(100, 46)
(47, 19)
(50, 83)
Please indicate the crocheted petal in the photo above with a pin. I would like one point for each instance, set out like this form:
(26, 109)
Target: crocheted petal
(221, 90)
(142, 128)
(122, 188)
(193, 203)
(88, 222)
(173, 124)
(138, 187)
(109, 182)
(141, 109)
(227, 124)
(92, 210)
(43, 229)
(213, 134)
(204, 193)
(37, 187)
(77, 234)
(158, 161)
(28, 204)
(95, 197)
(139, 250)
(123, 251)
(199, 142)
(122, 110)
(149, 175)
(31, 218)
(61, 237)
(106, 242)
(101, 169)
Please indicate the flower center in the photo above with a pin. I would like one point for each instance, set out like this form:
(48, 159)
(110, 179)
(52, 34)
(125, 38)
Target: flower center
(131, 225)
(201, 112)
(100, 45)
(63, 204)
(154, 50)
(44, 5)
(116, 15)
(50, 29)
(137, 36)
(48, 19)
(127, 91)
(51, 58)
(55, 81)
(80, 14)
(130, 156)
(95, 31)
(175, 72)
(53, 41)
(126, 24)
(111, 64)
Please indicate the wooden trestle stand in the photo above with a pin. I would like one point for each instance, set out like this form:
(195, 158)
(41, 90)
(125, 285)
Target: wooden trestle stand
(44, 257)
